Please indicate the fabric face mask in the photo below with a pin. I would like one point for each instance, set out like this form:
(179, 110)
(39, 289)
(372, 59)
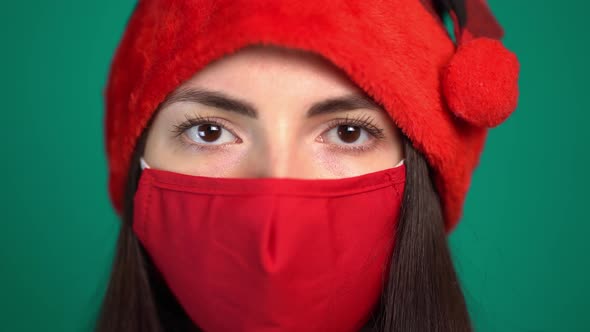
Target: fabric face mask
(271, 254)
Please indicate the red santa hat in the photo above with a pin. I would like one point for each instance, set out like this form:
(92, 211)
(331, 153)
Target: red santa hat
(443, 95)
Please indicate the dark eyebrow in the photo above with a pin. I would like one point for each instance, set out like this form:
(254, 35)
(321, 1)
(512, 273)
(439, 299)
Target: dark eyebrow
(344, 103)
(222, 101)
(212, 98)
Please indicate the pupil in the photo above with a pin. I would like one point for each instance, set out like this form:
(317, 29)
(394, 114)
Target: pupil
(209, 132)
(349, 134)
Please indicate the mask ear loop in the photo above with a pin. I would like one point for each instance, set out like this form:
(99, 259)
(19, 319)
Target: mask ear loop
(143, 164)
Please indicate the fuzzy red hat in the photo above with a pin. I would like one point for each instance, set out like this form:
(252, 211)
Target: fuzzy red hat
(443, 96)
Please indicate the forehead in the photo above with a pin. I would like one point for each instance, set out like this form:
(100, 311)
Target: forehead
(274, 68)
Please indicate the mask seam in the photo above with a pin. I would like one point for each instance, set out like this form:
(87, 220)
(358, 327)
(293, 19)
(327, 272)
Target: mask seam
(183, 188)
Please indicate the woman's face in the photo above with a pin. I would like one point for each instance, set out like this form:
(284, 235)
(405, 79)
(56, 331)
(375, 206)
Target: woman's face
(267, 111)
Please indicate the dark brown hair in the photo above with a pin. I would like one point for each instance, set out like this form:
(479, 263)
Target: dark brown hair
(422, 292)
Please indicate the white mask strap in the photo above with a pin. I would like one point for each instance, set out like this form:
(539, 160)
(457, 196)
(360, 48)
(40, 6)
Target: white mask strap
(143, 164)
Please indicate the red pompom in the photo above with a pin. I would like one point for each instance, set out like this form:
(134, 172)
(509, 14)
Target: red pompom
(480, 83)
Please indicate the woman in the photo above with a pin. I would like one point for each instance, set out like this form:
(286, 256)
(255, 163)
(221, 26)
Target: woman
(294, 166)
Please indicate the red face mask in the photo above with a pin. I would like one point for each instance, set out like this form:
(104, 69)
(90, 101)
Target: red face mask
(271, 254)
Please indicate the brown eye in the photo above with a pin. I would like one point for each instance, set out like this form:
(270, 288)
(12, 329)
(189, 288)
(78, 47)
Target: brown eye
(209, 132)
(349, 134)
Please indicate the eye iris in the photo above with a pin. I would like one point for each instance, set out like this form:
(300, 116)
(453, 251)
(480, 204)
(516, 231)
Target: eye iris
(209, 132)
(349, 134)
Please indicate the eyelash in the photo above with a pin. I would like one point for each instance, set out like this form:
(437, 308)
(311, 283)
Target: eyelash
(196, 120)
(364, 121)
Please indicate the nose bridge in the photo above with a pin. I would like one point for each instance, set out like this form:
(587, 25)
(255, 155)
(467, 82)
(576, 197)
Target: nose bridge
(277, 161)
(280, 155)
(285, 162)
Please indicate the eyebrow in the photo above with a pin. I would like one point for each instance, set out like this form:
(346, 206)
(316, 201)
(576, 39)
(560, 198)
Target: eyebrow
(224, 102)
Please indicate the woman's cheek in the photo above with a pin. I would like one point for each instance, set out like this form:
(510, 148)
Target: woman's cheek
(221, 163)
(339, 164)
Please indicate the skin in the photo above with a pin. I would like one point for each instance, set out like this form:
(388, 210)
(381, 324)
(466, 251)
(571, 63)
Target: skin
(281, 139)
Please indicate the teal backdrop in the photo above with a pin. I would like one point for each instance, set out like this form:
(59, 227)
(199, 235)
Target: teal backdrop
(521, 249)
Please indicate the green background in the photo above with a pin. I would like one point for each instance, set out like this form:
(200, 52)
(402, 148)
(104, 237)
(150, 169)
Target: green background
(521, 248)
